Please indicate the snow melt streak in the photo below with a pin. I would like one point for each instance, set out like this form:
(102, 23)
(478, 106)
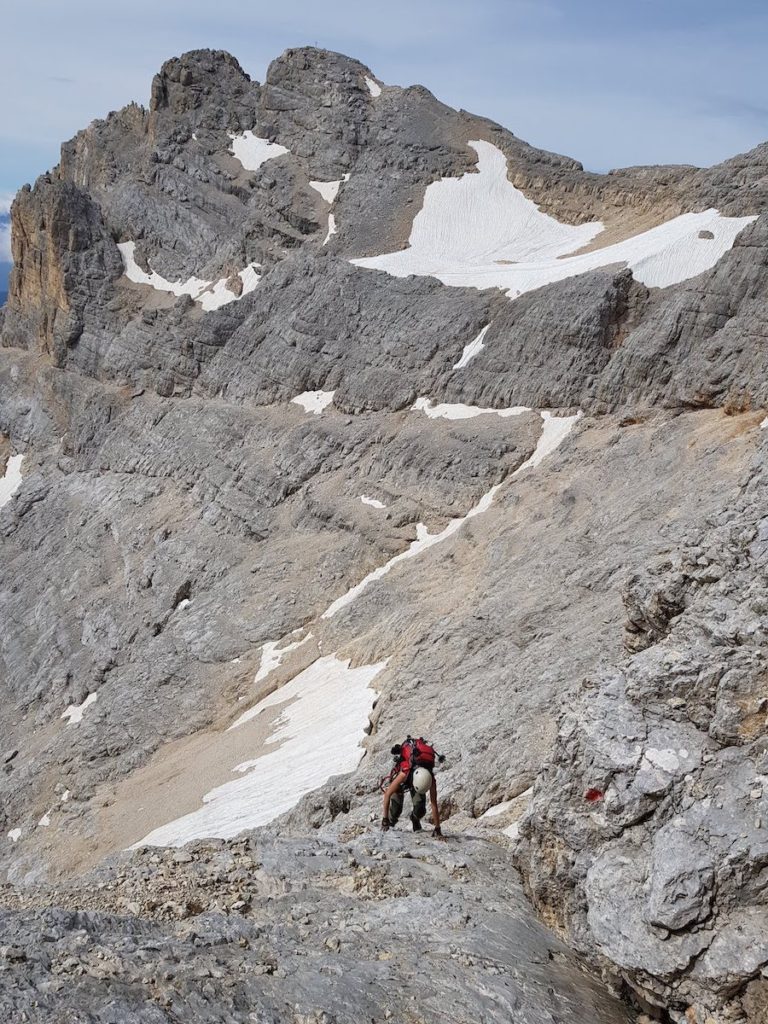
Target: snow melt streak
(472, 349)
(332, 229)
(480, 231)
(272, 655)
(554, 431)
(11, 481)
(319, 732)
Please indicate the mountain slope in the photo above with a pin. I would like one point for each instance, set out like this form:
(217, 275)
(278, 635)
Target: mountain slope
(258, 457)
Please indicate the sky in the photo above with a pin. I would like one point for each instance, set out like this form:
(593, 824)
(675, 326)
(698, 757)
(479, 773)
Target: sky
(5, 235)
(608, 82)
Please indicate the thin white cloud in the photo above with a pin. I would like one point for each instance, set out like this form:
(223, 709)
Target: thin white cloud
(5, 241)
(5, 227)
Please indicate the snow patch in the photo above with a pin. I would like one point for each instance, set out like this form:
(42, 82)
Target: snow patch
(221, 295)
(75, 712)
(373, 502)
(763, 426)
(497, 809)
(480, 231)
(252, 151)
(458, 411)
(45, 821)
(183, 604)
(472, 349)
(327, 189)
(65, 796)
(325, 712)
(272, 654)
(314, 401)
(11, 481)
(209, 294)
(192, 286)
(332, 229)
(373, 87)
(14, 835)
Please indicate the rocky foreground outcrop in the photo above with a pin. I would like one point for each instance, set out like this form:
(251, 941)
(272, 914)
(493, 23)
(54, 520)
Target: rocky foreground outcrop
(585, 638)
(306, 931)
(655, 802)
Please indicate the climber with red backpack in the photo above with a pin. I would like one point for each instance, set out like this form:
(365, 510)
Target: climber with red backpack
(413, 771)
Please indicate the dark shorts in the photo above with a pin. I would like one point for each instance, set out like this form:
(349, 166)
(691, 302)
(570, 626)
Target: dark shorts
(418, 805)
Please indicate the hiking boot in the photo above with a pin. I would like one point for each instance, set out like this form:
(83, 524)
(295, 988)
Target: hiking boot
(416, 823)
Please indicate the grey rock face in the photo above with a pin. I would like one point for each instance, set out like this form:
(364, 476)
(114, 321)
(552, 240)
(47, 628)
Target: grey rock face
(664, 873)
(706, 345)
(681, 877)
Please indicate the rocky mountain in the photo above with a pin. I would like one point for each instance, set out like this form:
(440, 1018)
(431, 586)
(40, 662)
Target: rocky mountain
(330, 414)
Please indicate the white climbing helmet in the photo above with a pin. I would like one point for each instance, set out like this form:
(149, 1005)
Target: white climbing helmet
(422, 779)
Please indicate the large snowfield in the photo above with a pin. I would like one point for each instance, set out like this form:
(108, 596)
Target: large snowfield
(479, 231)
(325, 710)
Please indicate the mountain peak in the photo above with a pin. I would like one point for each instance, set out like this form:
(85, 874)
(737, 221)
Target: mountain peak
(183, 83)
(306, 58)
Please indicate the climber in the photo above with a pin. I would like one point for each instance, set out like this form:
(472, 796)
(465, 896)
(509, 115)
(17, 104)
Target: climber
(413, 771)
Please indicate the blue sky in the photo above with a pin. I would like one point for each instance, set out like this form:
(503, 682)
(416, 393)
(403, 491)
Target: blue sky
(609, 82)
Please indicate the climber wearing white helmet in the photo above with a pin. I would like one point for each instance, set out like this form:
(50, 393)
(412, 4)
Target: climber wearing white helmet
(413, 771)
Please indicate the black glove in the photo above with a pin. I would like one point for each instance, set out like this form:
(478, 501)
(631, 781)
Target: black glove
(385, 824)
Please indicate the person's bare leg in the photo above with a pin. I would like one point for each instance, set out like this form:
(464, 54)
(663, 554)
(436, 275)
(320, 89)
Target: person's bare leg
(436, 831)
(392, 790)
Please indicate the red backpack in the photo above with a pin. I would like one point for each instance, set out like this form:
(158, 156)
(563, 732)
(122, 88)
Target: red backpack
(413, 753)
(417, 753)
